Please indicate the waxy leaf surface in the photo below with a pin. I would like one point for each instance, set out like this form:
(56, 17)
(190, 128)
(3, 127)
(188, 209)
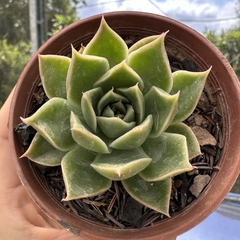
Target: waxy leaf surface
(120, 76)
(135, 97)
(85, 138)
(108, 44)
(52, 121)
(151, 63)
(89, 103)
(155, 195)
(119, 165)
(162, 106)
(84, 71)
(192, 142)
(135, 137)
(53, 72)
(79, 177)
(42, 152)
(169, 155)
(190, 85)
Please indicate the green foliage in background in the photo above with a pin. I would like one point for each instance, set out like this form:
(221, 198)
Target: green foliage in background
(228, 43)
(12, 61)
(15, 35)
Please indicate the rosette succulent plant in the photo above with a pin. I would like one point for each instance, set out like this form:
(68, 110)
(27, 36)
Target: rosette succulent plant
(115, 114)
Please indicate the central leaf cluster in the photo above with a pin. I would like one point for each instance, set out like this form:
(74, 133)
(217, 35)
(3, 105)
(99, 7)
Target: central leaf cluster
(127, 123)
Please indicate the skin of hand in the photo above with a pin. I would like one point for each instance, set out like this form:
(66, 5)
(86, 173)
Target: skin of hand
(20, 217)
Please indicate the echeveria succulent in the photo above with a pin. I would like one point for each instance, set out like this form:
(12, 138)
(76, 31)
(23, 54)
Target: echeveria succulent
(116, 114)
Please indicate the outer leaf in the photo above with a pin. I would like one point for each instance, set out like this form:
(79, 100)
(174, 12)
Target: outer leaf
(42, 152)
(120, 76)
(85, 138)
(142, 42)
(114, 127)
(135, 137)
(81, 180)
(53, 72)
(83, 72)
(162, 106)
(190, 85)
(89, 105)
(169, 155)
(135, 96)
(119, 165)
(192, 142)
(151, 63)
(52, 121)
(108, 44)
(155, 195)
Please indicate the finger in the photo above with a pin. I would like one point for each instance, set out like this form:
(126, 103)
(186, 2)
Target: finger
(4, 113)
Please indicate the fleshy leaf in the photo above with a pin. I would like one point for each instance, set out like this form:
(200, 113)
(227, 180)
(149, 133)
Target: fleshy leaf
(135, 137)
(169, 155)
(190, 85)
(151, 63)
(135, 97)
(42, 152)
(192, 142)
(52, 121)
(119, 165)
(109, 98)
(114, 127)
(85, 138)
(155, 195)
(80, 179)
(120, 76)
(130, 114)
(89, 105)
(142, 42)
(162, 106)
(53, 72)
(83, 72)
(108, 44)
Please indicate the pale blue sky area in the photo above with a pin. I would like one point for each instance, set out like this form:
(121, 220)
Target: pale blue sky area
(198, 14)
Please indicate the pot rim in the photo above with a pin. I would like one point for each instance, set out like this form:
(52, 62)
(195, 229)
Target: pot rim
(221, 70)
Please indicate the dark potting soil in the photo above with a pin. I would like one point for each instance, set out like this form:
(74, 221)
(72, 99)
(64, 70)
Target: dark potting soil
(115, 207)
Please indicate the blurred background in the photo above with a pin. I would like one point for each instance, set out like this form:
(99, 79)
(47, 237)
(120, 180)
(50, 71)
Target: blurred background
(26, 24)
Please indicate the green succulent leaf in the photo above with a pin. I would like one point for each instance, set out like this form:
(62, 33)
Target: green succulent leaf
(190, 85)
(114, 127)
(151, 63)
(52, 121)
(192, 142)
(135, 137)
(120, 76)
(85, 138)
(108, 44)
(79, 177)
(89, 103)
(169, 155)
(142, 42)
(135, 97)
(130, 114)
(119, 165)
(42, 152)
(108, 99)
(53, 72)
(162, 106)
(83, 72)
(155, 195)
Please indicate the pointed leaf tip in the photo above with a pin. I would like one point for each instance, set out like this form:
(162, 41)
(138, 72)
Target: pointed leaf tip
(108, 44)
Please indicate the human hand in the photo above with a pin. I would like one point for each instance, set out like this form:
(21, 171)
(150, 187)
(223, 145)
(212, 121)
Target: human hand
(20, 217)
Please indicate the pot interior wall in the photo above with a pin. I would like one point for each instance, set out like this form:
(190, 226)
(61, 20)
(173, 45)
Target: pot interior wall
(181, 43)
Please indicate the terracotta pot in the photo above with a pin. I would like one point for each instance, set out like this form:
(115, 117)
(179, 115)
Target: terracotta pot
(182, 42)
